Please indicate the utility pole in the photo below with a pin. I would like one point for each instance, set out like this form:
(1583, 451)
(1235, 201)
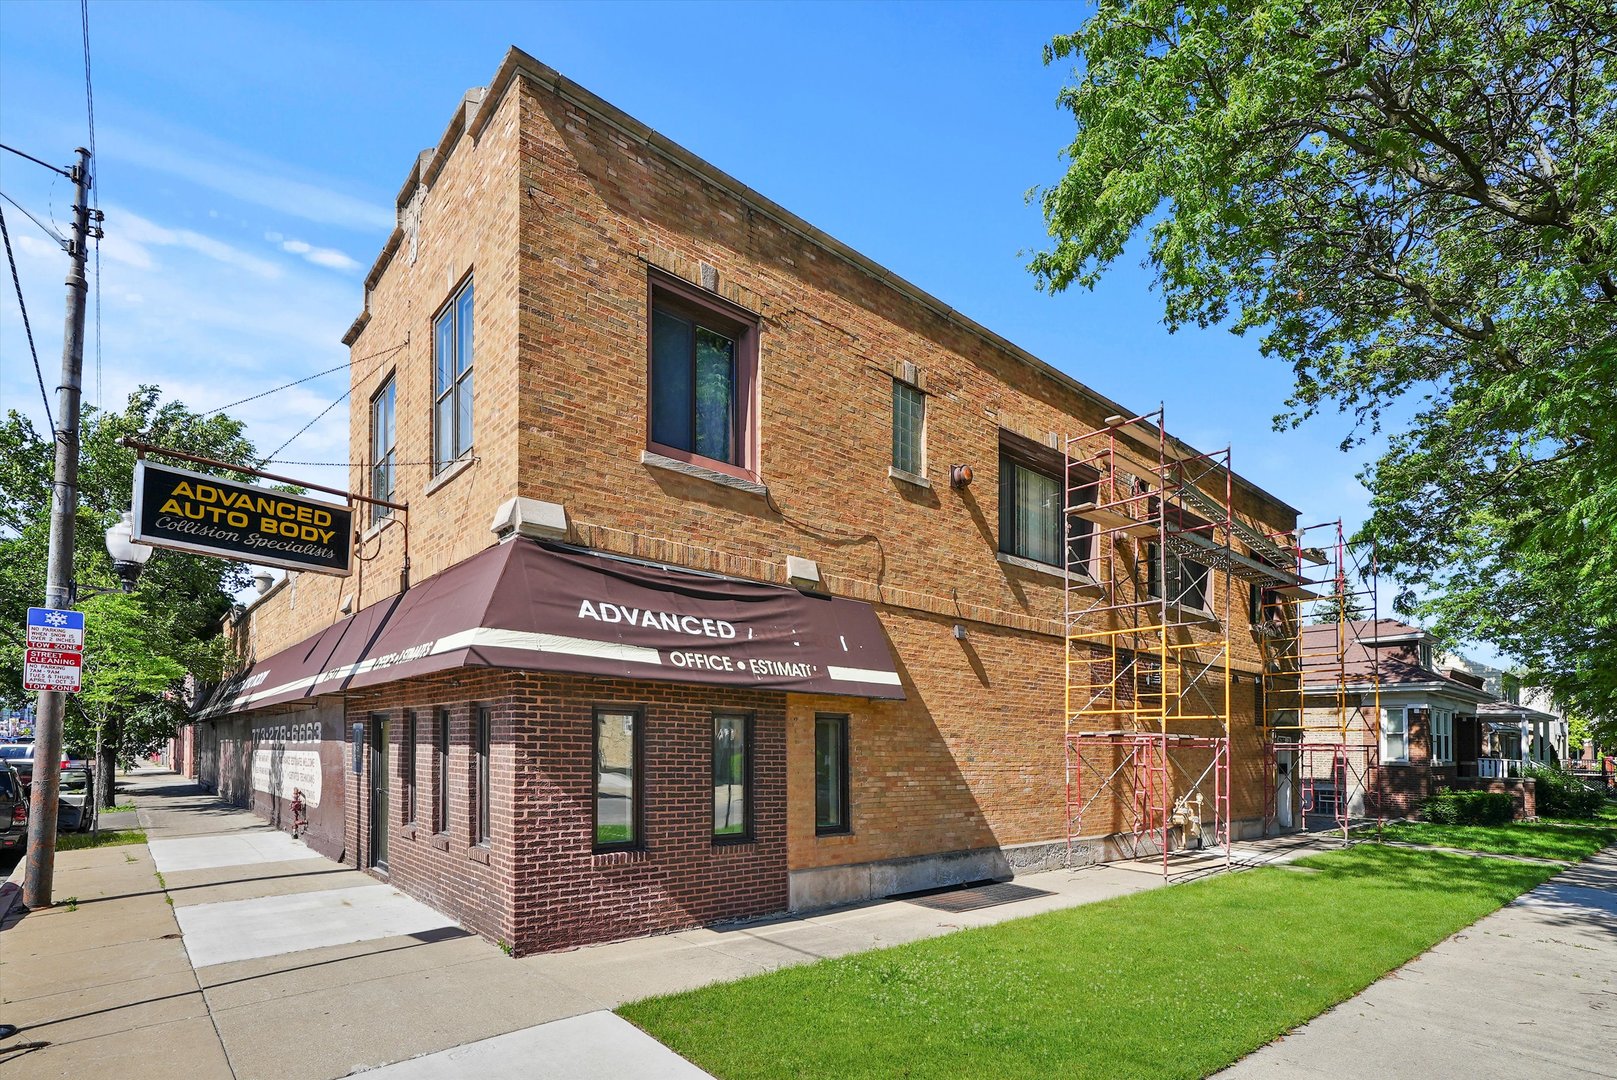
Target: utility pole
(47, 782)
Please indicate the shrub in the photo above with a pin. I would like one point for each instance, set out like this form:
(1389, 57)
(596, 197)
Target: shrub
(1560, 794)
(1469, 808)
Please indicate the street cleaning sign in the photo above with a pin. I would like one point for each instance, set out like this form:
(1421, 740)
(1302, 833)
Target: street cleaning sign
(54, 656)
(209, 515)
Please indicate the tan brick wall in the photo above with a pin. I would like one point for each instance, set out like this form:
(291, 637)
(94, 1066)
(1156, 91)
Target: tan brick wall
(559, 215)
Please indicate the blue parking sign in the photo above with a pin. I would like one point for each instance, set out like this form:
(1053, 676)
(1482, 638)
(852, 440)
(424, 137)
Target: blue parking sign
(55, 628)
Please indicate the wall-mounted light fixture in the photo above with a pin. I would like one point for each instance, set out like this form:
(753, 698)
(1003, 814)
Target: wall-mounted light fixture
(959, 476)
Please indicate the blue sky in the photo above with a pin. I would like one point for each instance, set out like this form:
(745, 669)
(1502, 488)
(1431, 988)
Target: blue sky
(250, 154)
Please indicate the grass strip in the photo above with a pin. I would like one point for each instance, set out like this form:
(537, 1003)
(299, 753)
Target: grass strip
(79, 841)
(1176, 982)
(1538, 840)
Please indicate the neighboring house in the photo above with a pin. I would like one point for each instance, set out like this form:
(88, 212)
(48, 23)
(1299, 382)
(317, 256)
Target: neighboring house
(1525, 722)
(1434, 728)
(737, 563)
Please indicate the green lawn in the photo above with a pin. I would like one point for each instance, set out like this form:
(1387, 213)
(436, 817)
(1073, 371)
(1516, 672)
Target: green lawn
(1605, 817)
(1176, 982)
(76, 841)
(1536, 839)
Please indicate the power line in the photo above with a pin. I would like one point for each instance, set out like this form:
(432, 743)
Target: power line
(340, 399)
(308, 378)
(53, 168)
(17, 281)
(50, 232)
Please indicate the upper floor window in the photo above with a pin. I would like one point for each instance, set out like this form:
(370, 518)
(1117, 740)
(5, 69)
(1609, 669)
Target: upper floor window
(702, 377)
(382, 439)
(1189, 582)
(452, 380)
(909, 429)
(1032, 506)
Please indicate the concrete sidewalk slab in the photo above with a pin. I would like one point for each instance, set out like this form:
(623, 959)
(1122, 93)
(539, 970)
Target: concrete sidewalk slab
(241, 848)
(594, 1046)
(269, 925)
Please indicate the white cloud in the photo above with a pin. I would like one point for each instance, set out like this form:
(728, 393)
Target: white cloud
(138, 230)
(335, 260)
(296, 247)
(233, 172)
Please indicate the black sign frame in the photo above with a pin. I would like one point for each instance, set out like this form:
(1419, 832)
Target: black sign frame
(322, 524)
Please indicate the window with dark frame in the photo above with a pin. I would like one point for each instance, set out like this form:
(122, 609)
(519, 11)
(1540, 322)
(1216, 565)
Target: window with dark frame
(441, 774)
(617, 778)
(484, 723)
(703, 360)
(383, 436)
(909, 429)
(831, 775)
(732, 776)
(452, 380)
(1189, 582)
(411, 721)
(1032, 506)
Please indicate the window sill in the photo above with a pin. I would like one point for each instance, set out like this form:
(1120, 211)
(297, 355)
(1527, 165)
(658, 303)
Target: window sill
(462, 463)
(479, 853)
(702, 472)
(377, 526)
(733, 841)
(831, 834)
(895, 473)
(1046, 569)
(439, 841)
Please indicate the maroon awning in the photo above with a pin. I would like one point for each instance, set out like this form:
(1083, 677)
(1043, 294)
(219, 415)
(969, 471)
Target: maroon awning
(542, 608)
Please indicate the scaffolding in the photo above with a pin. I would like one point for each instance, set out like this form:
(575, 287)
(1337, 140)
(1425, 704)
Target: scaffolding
(1320, 708)
(1153, 555)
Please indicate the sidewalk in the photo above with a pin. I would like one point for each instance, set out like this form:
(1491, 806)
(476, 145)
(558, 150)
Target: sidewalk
(251, 956)
(1530, 990)
(224, 948)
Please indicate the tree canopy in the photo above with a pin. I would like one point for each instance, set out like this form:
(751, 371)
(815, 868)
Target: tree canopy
(139, 647)
(1415, 206)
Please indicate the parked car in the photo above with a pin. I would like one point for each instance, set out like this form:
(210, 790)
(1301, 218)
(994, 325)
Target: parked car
(13, 810)
(20, 756)
(72, 805)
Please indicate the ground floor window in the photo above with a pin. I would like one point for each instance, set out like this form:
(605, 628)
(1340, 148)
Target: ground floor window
(1443, 736)
(484, 722)
(1394, 735)
(441, 777)
(830, 775)
(617, 778)
(732, 773)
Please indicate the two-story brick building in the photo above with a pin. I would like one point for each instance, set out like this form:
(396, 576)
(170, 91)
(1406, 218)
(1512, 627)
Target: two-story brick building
(735, 562)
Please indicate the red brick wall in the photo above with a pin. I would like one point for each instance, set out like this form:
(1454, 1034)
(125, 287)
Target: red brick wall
(565, 893)
(538, 884)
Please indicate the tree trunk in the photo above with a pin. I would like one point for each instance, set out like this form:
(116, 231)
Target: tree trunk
(106, 765)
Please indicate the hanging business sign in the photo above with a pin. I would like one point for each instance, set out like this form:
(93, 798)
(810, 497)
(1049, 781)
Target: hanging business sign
(209, 515)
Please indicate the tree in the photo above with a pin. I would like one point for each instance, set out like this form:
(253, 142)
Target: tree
(169, 626)
(1415, 206)
(131, 660)
(1348, 607)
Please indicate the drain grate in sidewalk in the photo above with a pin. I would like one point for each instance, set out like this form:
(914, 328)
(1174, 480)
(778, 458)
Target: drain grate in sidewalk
(972, 896)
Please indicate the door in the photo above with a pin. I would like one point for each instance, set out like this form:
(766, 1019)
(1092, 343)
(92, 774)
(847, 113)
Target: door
(1285, 765)
(380, 730)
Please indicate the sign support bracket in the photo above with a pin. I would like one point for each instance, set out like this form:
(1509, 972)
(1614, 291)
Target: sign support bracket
(141, 449)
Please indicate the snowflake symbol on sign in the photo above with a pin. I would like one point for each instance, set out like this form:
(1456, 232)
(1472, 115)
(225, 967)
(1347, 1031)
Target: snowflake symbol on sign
(57, 618)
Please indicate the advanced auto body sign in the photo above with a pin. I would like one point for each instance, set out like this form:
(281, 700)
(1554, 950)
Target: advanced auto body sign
(209, 515)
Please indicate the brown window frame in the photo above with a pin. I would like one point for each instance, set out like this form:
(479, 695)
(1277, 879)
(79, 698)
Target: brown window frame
(690, 302)
(1077, 542)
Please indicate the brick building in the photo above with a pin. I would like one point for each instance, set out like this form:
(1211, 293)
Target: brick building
(588, 360)
(1434, 728)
